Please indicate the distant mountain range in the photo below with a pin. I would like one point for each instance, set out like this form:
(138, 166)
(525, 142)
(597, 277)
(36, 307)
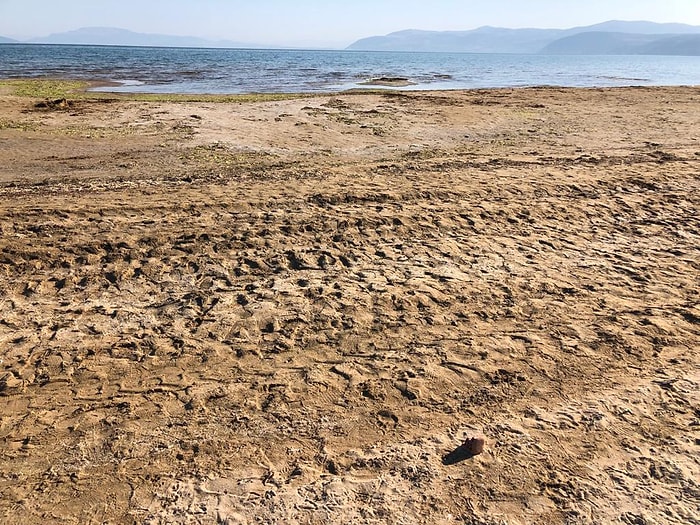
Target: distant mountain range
(111, 36)
(607, 38)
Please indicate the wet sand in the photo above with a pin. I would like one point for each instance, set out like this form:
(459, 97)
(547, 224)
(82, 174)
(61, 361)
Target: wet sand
(297, 311)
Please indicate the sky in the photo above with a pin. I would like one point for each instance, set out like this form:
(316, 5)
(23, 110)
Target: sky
(323, 23)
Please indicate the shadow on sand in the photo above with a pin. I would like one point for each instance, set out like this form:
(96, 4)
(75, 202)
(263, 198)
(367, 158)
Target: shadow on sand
(461, 453)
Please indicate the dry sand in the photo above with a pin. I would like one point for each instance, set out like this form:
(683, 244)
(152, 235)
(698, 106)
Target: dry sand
(296, 311)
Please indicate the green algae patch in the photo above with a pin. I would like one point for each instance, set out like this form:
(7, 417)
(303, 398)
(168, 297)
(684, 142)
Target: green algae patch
(44, 88)
(50, 89)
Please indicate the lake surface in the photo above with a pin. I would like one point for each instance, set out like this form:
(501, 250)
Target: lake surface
(186, 70)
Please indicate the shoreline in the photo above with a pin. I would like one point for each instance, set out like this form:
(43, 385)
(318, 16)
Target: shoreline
(57, 87)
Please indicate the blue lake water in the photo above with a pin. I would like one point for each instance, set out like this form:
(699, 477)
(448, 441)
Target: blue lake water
(185, 70)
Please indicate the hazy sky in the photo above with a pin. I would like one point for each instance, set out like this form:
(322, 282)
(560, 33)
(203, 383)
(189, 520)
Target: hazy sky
(323, 22)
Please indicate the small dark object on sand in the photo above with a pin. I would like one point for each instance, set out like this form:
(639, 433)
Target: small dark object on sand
(474, 445)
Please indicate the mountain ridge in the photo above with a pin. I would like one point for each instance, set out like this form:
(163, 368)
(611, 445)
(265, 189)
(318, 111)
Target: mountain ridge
(610, 37)
(113, 36)
(652, 37)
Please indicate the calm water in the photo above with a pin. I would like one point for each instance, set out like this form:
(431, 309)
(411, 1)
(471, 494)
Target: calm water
(177, 70)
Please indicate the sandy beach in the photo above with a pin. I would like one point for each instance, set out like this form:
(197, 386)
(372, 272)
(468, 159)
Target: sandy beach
(297, 311)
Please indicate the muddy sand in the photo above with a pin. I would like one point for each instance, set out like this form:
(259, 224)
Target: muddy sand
(297, 311)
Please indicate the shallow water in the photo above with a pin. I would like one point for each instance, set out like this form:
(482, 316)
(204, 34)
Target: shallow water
(186, 70)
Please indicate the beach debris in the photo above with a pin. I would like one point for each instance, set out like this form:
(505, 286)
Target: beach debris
(474, 445)
(60, 103)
